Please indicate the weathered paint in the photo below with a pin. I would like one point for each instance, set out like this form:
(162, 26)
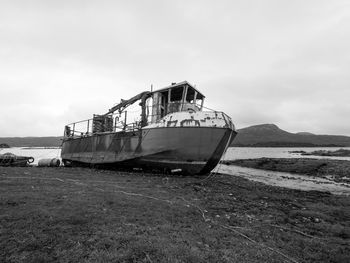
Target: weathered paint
(194, 119)
(193, 149)
(191, 141)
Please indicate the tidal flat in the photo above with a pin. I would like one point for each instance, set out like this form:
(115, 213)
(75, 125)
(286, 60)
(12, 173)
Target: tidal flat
(337, 170)
(86, 215)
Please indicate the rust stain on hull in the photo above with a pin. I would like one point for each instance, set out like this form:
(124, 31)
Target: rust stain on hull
(194, 150)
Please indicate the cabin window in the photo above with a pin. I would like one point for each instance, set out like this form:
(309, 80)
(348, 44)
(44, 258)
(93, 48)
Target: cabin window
(164, 104)
(176, 94)
(175, 99)
(190, 96)
(200, 103)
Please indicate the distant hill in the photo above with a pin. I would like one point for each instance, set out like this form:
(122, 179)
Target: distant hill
(269, 135)
(305, 133)
(31, 141)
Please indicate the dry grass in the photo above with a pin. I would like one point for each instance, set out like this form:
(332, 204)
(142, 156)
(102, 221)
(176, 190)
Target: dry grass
(83, 215)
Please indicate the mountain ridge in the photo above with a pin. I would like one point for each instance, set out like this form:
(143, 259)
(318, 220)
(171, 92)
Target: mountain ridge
(270, 135)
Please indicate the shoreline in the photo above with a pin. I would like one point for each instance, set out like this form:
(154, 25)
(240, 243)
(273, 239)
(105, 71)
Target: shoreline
(287, 180)
(337, 170)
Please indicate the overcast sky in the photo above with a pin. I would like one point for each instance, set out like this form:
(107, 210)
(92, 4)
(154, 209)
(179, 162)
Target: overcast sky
(270, 61)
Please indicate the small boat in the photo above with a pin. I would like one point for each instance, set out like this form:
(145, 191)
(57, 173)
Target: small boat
(10, 159)
(170, 130)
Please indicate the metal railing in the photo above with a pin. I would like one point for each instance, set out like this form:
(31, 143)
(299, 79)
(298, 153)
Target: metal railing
(122, 121)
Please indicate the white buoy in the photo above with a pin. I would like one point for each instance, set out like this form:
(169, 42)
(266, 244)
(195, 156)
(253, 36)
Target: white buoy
(54, 162)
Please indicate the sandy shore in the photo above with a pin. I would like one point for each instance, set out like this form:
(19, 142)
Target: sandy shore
(84, 215)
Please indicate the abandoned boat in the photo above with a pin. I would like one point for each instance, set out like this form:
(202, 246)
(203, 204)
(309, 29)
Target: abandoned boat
(170, 132)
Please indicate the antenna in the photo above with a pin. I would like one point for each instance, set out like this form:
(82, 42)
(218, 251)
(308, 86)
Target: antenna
(151, 87)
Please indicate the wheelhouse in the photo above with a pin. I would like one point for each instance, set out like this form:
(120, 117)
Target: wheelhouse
(174, 98)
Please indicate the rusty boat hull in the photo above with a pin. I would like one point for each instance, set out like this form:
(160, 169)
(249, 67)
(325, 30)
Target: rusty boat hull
(171, 131)
(192, 150)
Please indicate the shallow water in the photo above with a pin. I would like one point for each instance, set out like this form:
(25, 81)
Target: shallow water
(288, 180)
(234, 153)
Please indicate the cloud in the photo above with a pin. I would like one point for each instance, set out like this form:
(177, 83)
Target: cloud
(283, 62)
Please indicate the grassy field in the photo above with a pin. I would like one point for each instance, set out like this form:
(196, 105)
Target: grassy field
(85, 215)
